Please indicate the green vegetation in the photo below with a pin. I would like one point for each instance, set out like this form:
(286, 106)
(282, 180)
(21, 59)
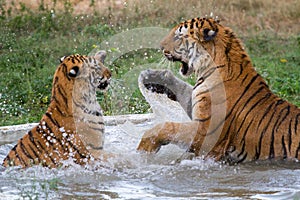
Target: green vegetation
(32, 41)
(29, 54)
(278, 61)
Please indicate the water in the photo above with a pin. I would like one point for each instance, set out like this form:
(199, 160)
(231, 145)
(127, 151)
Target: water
(170, 174)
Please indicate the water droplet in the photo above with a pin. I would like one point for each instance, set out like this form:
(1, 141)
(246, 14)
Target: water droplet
(62, 129)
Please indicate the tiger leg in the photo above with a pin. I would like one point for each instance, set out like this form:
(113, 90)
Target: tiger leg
(91, 136)
(181, 134)
(164, 81)
(102, 155)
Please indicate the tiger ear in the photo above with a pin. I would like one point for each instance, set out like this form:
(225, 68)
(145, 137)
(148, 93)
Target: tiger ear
(74, 71)
(101, 55)
(209, 34)
(62, 59)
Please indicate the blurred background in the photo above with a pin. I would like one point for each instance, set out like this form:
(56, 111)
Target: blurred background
(34, 34)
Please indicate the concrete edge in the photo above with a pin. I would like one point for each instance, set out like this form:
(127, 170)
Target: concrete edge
(9, 134)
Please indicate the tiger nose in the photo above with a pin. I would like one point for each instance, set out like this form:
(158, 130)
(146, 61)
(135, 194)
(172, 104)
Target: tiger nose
(164, 43)
(161, 47)
(166, 52)
(107, 73)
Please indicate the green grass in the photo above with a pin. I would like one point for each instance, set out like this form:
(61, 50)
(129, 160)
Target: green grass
(32, 42)
(278, 61)
(29, 54)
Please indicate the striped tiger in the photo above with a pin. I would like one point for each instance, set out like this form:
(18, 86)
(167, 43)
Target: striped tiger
(72, 126)
(255, 125)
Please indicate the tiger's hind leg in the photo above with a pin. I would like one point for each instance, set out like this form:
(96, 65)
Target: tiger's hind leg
(164, 82)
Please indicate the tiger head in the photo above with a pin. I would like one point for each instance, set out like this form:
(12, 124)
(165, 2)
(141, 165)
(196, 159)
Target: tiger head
(86, 68)
(193, 44)
(79, 76)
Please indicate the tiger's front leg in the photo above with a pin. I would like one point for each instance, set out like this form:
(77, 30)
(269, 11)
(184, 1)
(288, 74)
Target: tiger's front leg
(182, 134)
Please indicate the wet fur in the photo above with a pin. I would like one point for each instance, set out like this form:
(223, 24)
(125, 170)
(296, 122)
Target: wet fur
(62, 133)
(256, 125)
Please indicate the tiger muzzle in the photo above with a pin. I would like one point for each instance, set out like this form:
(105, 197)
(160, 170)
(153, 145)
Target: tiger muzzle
(170, 57)
(103, 84)
(105, 80)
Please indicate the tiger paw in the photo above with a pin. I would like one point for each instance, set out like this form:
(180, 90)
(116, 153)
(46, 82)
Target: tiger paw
(102, 155)
(157, 81)
(149, 145)
(165, 82)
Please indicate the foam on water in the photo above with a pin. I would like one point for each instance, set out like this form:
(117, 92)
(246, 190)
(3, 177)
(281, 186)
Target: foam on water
(168, 175)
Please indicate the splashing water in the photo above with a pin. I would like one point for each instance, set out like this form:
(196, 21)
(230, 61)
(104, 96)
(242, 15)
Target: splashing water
(170, 174)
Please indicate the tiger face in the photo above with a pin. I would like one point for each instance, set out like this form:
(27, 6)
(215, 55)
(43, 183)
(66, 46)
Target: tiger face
(189, 43)
(87, 68)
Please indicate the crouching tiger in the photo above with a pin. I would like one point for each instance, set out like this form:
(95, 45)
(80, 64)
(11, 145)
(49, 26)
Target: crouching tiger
(72, 126)
(256, 124)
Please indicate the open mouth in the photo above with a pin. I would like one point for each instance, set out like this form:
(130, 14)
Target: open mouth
(103, 85)
(184, 66)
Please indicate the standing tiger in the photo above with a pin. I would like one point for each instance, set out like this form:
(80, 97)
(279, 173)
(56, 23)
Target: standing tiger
(72, 127)
(255, 125)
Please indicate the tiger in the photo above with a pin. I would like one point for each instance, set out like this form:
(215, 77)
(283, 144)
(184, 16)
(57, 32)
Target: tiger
(236, 118)
(72, 127)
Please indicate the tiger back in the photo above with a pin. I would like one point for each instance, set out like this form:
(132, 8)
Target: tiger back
(58, 135)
